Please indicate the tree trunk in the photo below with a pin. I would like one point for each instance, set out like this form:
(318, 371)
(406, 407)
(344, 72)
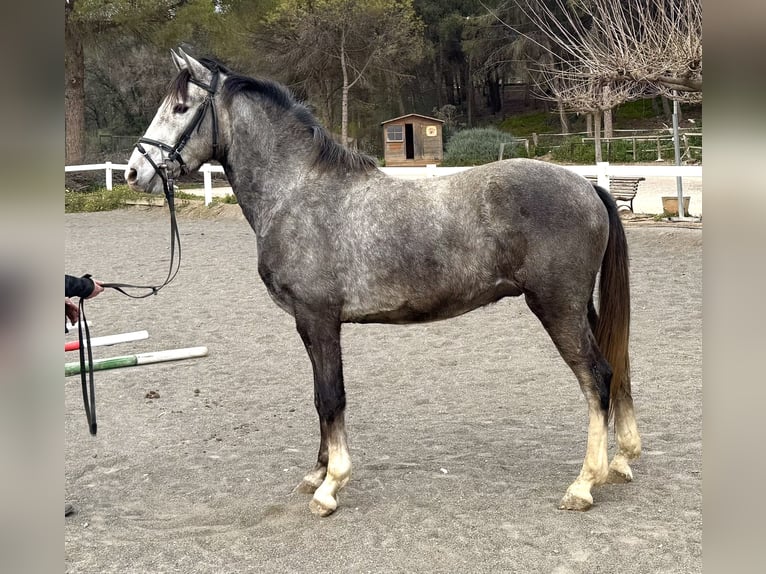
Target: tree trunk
(608, 129)
(494, 93)
(563, 119)
(597, 135)
(655, 107)
(589, 124)
(344, 101)
(438, 82)
(666, 108)
(468, 86)
(608, 132)
(400, 99)
(74, 94)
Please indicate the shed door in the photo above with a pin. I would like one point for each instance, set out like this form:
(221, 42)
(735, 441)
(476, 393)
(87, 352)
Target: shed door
(409, 144)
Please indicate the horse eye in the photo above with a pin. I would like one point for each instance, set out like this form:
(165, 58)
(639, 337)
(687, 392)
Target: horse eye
(180, 108)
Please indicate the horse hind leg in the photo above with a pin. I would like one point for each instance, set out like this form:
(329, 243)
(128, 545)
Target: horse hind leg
(625, 428)
(626, 432)
(571, 333)
(321, 337)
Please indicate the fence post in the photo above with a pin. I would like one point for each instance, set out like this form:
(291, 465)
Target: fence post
(109, 175)
(208, 183)
(602, 177)
(502, 148)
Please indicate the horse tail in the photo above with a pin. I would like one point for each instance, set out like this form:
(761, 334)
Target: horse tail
(613, 324)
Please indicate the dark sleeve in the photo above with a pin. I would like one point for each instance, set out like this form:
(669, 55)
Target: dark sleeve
(78, 286)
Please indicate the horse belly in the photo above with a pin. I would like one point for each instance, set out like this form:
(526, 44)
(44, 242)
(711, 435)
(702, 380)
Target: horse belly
(426, 305)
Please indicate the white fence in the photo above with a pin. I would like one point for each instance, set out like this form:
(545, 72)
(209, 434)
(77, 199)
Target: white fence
(107, 166)
(602, 171)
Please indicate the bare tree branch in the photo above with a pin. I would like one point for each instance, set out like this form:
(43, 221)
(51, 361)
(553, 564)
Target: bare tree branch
(654, 44)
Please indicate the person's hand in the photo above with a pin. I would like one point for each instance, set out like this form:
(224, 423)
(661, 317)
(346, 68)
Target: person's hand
(97, 288)
(71, 310)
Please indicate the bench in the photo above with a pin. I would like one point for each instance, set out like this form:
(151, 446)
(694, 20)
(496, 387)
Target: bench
(622, 188)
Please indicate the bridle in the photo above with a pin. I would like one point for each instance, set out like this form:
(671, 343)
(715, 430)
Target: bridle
(168, 183)
(164, 171)
(174, 152)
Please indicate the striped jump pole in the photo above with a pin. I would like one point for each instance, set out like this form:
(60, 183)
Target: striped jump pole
(139, 359)
(74, 326)
(109, 340)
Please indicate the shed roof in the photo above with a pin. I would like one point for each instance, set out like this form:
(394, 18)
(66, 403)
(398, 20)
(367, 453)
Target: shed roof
(412, 115)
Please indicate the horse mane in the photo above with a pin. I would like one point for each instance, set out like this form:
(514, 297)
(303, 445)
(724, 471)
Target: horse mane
(329, 154)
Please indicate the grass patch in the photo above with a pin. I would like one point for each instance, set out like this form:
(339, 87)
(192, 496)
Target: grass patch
(107, 199)
(635, 110)
(229, 198)
(524, 125)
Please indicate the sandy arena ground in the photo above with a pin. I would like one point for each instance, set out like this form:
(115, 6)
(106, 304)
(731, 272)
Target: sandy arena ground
(464, 434)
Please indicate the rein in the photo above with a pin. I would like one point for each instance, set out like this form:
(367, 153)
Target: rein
(168, 183)
(163, 170)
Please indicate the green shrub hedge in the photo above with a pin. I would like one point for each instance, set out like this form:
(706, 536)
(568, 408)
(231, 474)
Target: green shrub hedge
(477, 146)
(109, 199)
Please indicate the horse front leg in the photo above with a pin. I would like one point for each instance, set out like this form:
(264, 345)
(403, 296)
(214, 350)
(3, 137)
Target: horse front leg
(321, 337)
(316, 475)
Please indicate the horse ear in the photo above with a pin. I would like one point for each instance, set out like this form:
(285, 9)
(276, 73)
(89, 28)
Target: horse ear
(178, 62)
(197, 70)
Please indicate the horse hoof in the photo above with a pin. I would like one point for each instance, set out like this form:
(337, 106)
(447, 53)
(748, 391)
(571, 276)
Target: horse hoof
(323, 506)
(576, 502)
(619, 472)
(306, 487)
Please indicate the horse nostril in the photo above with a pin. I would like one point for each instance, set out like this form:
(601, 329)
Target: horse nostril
(132, 175)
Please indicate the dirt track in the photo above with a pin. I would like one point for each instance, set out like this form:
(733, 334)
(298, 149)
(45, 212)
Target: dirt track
(464, 434)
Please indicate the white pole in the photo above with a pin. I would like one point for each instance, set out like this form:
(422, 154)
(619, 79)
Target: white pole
(70, 326)
(677, 146)
(108, 340)
(602, 177)
(109, 175)
(172, 355)
(208, 185)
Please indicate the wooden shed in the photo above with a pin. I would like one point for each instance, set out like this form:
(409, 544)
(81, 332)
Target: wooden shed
(412, 140)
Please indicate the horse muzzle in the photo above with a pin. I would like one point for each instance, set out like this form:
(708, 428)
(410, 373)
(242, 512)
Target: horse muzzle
(141, 175)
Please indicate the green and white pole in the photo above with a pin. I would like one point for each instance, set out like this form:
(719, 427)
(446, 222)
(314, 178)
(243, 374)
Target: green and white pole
(139, 359)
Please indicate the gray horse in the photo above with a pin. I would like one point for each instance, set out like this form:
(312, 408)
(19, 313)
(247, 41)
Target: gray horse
(339, 241)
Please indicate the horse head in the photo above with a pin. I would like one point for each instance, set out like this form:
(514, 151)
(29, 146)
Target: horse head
(185, 130)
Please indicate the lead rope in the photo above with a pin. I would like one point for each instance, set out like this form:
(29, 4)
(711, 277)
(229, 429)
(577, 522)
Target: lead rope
(169, 185)
(83, 331)
(86, 370)
(169, 188)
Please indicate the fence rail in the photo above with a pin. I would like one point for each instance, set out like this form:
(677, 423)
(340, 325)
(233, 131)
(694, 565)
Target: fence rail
(602, 171)
(108, 166)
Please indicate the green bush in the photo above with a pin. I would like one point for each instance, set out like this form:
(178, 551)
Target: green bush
(230, 199)
(635, 110)
(574, 150)
(477, 146)
(98, 200)
(103, 199)
(524, 125)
